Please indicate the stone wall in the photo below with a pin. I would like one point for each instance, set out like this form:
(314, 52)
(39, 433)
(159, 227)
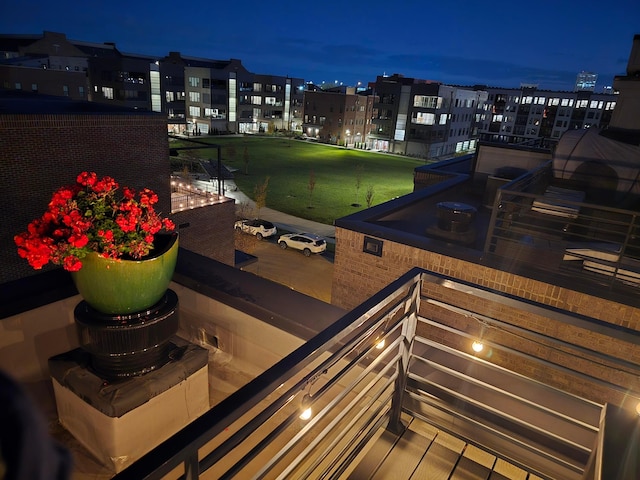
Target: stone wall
(359, 275)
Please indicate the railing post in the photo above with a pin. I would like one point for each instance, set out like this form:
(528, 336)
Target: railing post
(191, 467)
(410, 321)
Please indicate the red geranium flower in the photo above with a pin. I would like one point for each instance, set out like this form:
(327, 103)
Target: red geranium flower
(92, 216)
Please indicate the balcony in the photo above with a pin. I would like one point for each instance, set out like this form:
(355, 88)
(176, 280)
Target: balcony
(388, 396)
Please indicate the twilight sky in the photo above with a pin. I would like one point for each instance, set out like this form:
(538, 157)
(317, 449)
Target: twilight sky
(497, 43)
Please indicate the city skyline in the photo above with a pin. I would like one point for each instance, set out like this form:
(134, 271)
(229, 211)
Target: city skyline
(459, 43)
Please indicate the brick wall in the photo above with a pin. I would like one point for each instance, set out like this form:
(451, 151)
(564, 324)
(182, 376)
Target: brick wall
(208, 230)
(358, 275)
(42, 152)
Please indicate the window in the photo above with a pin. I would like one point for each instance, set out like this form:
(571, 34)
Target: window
(427, 101)
(194, 81)
(610, 106)
(81, 92)
(424, 118)
(582, 103)
(270, 100)
(256, 100)
(257, 87)
(206, 82)
(34, 87)
(194, 97)
(18, 86)
(194, 111)
(169, 96)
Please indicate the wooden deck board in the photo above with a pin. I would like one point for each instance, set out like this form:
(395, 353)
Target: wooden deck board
(467, 469)
(404, 458)
(423, 452)
(437, 463)
(368, 466)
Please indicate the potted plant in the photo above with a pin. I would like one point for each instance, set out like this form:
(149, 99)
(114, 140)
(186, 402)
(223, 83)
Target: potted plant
(94, 228)
(121, 254)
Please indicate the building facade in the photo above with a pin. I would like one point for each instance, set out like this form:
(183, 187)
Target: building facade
(423, 118)
(339, 116)
(198, 95)
(527, 114)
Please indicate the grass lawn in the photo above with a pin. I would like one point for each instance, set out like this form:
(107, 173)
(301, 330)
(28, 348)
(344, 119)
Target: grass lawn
(291, 164)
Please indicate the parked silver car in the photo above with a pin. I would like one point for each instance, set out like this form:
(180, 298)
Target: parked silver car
(260, 228)
(308, 243)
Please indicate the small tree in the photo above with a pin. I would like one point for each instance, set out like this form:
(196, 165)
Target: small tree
(359, 170)
(260, 194)
(245, 158)
(311, 186)
(369, 196)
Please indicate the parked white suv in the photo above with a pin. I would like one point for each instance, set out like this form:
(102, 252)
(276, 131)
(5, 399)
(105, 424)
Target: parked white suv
(257, 227)
(308, 243)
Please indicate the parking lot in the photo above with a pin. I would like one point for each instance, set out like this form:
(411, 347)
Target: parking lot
(309, 275)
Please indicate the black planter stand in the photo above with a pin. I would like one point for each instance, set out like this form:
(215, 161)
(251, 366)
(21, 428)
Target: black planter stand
(123, 346)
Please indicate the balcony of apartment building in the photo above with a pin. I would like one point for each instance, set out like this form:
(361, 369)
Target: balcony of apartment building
(296, 388)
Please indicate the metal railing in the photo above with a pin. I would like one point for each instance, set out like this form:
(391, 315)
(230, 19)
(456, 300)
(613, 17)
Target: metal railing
(361, 375)
(588, 241)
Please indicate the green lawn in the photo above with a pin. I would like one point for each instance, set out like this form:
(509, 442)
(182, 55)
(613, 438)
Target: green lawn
(288, 163)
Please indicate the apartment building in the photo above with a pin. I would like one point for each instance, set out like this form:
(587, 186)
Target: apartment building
(198, 95)
(46, 64)
(267, 103)
(527, 114)
(424, 118)
(338, 115)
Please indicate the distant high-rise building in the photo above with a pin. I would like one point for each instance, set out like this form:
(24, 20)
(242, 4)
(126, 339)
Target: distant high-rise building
(586, 81)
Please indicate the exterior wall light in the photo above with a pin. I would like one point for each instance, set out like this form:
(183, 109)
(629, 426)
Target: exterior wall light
(477, 346)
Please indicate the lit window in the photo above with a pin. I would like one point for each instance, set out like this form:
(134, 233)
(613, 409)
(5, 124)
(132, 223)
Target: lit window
(107, 92)
(427, 101)
(424, 118)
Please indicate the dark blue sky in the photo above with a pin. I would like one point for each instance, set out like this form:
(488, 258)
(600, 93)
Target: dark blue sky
(497, 43)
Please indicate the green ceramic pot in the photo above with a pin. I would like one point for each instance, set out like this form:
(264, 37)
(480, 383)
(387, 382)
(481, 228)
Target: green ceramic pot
(127, 286)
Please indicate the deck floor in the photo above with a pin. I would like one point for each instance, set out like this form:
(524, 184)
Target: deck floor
(424, 453)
